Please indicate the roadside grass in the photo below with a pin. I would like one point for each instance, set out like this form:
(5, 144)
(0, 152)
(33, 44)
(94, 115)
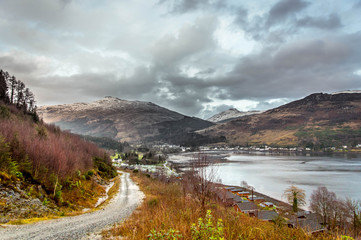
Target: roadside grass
(31, 220)
(167, 209)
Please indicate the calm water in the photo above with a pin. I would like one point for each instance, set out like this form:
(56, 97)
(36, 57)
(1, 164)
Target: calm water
(272, 174)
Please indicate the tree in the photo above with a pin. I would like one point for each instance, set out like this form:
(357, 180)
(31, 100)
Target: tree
(200, 179)
(353, 211)
(12, 84)
(20, 93)
(322, 202)
(3, 86)
(295, 196)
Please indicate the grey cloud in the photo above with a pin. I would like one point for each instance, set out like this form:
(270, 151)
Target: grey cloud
(191, 40)
(331, 22)
(241, 18)
(284, 8)
(184, 6)
(13, 65)
(274, 26)
(265, 105)
(297, 70)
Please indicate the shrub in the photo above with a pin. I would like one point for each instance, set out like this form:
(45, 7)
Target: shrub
(206, 230)
(153, 202)
(45, 202)
(171, 234)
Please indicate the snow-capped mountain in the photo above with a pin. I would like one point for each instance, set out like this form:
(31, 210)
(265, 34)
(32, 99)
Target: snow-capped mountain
(229, 115)
(131, 121)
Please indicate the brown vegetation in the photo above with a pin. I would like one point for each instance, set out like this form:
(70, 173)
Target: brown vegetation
(166, 209)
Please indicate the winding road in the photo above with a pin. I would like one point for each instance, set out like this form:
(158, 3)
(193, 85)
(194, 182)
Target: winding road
(82, 226)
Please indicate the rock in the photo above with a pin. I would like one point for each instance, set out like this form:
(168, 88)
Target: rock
(4, 220)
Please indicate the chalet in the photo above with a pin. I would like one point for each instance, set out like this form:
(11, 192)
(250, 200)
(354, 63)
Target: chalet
(311, 222)
(267, 215)
(236, 190)
(246, 207)
(266, 204)
(243, 193)
(225, 197)
(255, 198)
(238, 199)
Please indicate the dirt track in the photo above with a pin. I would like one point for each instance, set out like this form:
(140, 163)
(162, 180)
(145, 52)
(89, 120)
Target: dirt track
(82, 226)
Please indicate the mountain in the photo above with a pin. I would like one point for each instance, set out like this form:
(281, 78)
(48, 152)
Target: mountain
(229, 115)
(131, 121)
(318, 120)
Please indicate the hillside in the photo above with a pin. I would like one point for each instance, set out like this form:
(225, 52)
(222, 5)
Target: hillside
(229, 115)
(43, 170)
(130, 121)
(317, 121)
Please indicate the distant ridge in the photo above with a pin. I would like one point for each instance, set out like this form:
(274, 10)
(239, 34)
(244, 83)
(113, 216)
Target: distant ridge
(317, 121)
(123, 120)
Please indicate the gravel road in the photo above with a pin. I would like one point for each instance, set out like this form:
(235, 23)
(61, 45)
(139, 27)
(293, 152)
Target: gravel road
(83, 226)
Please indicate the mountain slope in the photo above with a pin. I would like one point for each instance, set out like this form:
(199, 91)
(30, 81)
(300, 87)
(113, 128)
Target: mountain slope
(229, 115)
(318, 120)
(131, 121)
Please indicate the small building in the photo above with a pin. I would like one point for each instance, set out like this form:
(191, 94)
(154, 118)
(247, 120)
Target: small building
(243, 193)
(246, 207)
(267, 215)
(255, 198)
(225, 197)
(238, 199)
(267, 204)
(229, 188)
(311, 222)
(236, 190)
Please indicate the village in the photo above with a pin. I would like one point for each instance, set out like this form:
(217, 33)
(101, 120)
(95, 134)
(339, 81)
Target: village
(243, 199)
(263, 207)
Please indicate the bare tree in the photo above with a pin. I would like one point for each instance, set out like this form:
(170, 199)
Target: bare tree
(322, 202)
(295, 196)
(353, 211)
(200, 179)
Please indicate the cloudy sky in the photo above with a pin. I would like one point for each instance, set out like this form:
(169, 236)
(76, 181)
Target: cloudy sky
(197, 57)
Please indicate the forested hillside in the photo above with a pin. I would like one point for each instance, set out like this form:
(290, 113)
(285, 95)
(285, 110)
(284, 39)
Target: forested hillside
(40, 159)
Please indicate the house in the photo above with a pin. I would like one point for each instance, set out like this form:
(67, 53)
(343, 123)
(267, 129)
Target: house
(311, 222)
(255, 198)
(268, 204)
(243, 193)
(225, 197)
(267, 215)
(246, 207)
(238, 199)
(236, 190)
(229, 188)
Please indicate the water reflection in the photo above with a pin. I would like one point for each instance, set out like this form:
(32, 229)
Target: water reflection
(272, 174)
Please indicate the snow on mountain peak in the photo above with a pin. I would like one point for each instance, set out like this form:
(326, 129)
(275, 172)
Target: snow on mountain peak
(230, 114)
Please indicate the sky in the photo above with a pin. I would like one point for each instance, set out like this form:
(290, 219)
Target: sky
(197, 57)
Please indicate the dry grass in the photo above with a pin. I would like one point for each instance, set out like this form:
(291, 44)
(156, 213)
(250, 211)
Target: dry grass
(31, 220)
(165, 207)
